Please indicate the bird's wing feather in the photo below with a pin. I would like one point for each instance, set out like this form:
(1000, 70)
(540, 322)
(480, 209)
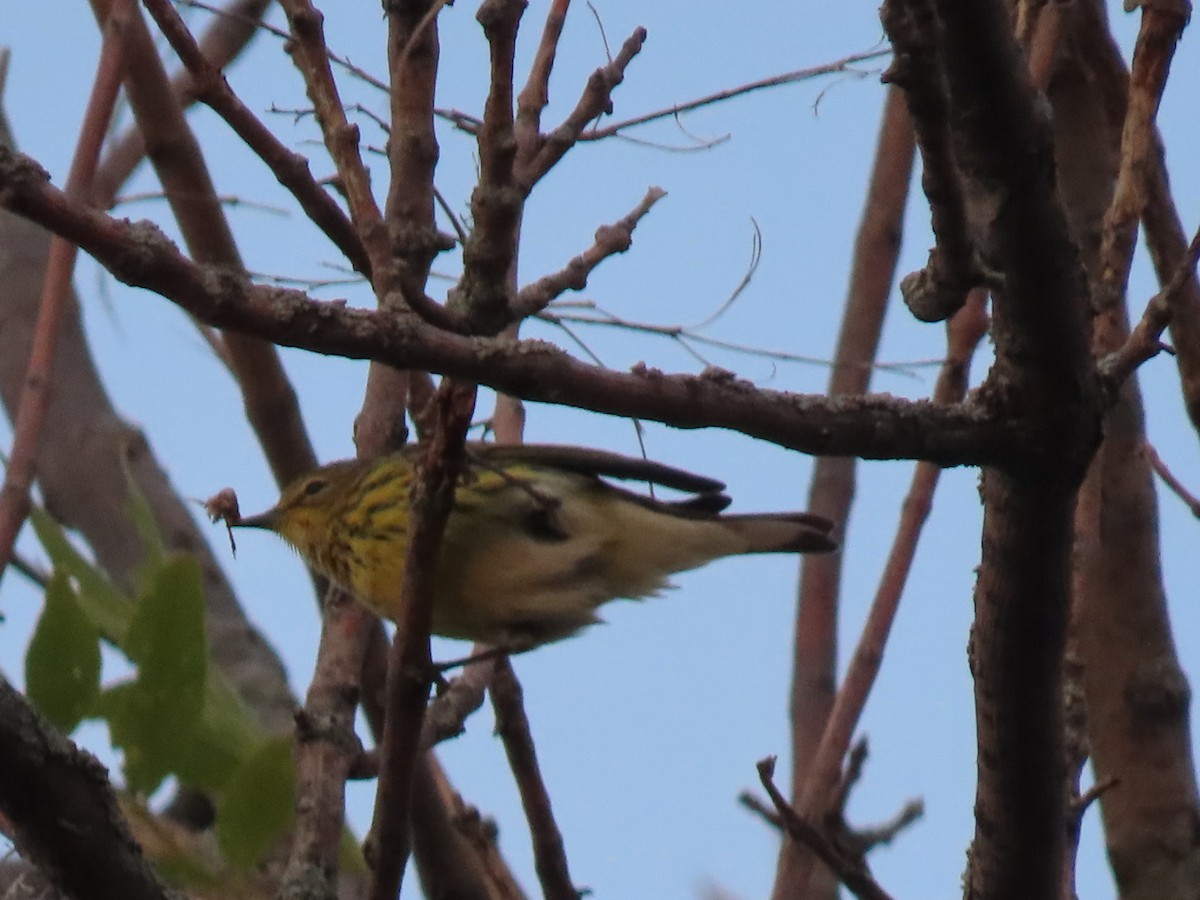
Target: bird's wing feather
(586, 461)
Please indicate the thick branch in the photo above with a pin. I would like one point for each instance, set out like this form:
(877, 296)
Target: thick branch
(326, 749)
(64, 811)
(490, 253)
(1003, 148)
(409, 664)
(877, 427)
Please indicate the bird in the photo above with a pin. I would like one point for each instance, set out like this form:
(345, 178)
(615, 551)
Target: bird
(539, 537)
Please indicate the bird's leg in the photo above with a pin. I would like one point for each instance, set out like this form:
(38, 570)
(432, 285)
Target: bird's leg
(487, 655)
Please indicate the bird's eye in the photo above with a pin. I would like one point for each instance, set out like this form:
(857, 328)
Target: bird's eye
(314, 487)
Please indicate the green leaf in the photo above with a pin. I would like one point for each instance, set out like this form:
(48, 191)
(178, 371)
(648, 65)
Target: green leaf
(258, 804)
(106, 607)
(154, 718)
(143, 517)
(62, 666)
(224, 737)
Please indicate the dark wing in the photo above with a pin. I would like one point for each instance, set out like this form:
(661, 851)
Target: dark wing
(597, 463)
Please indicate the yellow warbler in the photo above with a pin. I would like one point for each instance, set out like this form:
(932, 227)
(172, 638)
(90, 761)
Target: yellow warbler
(536, 542)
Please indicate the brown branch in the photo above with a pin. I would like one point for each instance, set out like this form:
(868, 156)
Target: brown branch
(445, 716)
(886, 832)
(873, 426)
(225, 39)
(413, 55)
(1003, 149)
(1165, 236)
(409, 664)
(1162, 24)
(831, 490)
(1168, 477)
(1145, 341)
(35, 393)
(850, 869)
(1044, 44)
(937, 291)
(483, 293)
(822, 786)
(856, 760)
(289, 168)
(535, 96)
(512, 725)
(610, 240)
(760, 809)
(179, 164)
(326, 750)
(456, 853)
(595, 100)
(64, 811)
(311, 57)
(1080, 804)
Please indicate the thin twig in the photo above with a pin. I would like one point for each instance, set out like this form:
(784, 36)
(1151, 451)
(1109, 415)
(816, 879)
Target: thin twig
(1168, 477)
(851, 773)
(1144, 342)
(851, 870)
(31, 571)
(840, 65)
(1080, 804)
(609, 241)
(512, 725)
(684, 336)
(756, 246)
(595, 100)
(764, 812)
(886, 832)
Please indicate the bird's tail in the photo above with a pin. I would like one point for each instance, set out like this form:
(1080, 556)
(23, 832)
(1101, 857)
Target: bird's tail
(782, 532)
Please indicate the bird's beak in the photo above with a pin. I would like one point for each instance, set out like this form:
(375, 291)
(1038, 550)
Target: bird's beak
(265, 520)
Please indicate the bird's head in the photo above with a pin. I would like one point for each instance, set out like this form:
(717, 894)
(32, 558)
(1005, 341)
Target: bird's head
(308, 505)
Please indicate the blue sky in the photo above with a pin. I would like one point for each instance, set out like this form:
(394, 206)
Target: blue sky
(649, 727)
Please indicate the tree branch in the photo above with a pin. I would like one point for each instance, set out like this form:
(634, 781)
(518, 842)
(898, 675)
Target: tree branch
(610, 240)
(877, 427)
(289, 168)
(549, 854)
(409, 663)
(64, 811)
(55, 302)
